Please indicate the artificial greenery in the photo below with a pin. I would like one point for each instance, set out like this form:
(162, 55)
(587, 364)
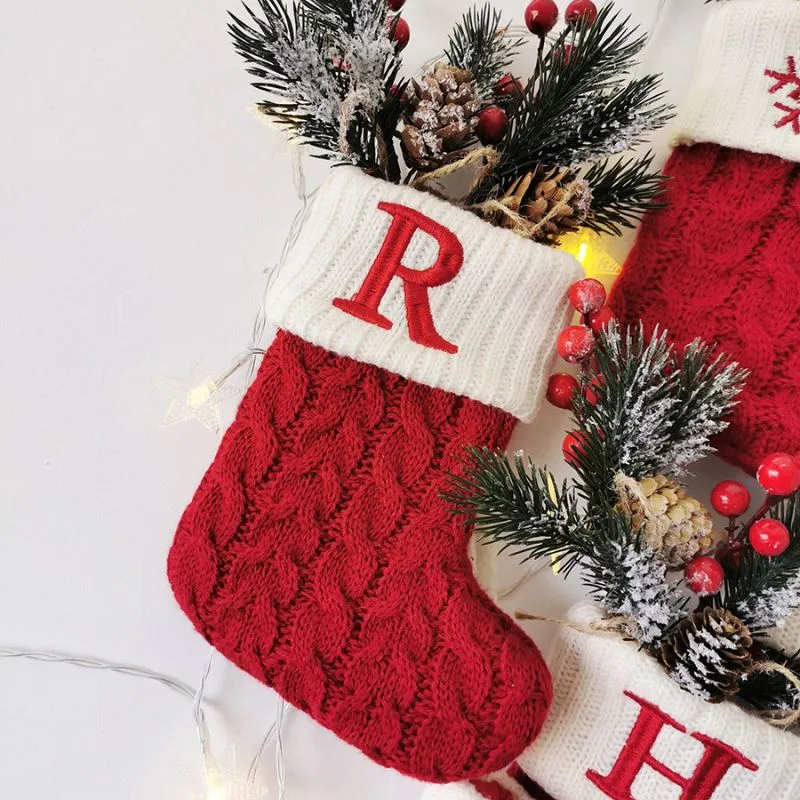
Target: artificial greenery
(516, 504)
(328, 72)
(580, 108)
(644, 408)
(622, 190)
(566, 109)
(327, 68)
(481, 45)
(652, 411)
(764, 591)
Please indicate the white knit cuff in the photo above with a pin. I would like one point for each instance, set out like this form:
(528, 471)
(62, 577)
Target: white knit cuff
(746, 91)
(400, 279)
(618, 723)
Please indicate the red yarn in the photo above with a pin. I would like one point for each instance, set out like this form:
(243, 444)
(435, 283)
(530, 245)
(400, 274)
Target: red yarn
(722, 262)
(491, 790)
(319, 556)
(406, 223)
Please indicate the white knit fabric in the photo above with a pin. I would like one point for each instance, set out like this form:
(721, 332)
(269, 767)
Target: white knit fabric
(592, 719)
(730, 102)
(504, 309)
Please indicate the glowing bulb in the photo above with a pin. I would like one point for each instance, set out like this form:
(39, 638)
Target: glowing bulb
(200, 395)
(587, 248)
(216, 791)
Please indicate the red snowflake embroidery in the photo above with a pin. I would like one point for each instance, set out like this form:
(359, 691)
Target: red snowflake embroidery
(785, 80)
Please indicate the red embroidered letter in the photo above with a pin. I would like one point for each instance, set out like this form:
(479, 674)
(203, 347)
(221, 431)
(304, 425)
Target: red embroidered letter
(389, 264)
(717, 759)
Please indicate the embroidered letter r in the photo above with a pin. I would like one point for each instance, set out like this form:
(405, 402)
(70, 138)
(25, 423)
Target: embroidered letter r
(389, 264)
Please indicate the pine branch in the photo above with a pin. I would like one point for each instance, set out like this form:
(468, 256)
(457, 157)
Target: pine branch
(479, 44)
(603, 124)
(707, 391)
(650, 417)
(630, 579)
(520, 507)
(326, 68)
(765, 591)
(622, 192)
(565, 90)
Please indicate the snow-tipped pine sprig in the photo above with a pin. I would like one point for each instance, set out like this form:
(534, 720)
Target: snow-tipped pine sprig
(653, 411)
(636, 587)
(656, 408)
(764, 592)
(326, 68)
(513, 503)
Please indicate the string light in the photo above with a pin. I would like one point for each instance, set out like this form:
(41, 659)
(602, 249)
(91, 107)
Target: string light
(587, 247)
(199, 399)
(216, 788)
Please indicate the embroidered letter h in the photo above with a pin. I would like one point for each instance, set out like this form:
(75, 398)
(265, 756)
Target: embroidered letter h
(389, 265)
(714, 764)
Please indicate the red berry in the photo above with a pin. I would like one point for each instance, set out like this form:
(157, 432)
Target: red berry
(401, 33)
(575, 343)
(573, 443)
(587, 296)
(769, 537)
(395, 5)
(492, 124)
(600, 318)
(730, 498)
(704, 575)
(779, 474)
(541, 16)
(509, 86)
(561, 389)
(581, 11)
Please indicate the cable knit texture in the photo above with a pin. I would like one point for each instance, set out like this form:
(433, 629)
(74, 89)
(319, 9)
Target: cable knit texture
(620, 728)
(318, 556)
(318, 553)
(720, 262)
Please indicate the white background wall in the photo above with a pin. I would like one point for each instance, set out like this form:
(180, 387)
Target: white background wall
(139, 205)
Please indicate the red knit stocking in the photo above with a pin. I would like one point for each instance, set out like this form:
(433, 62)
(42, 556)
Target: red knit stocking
(318, 553)
(722, 262)
(319, 556)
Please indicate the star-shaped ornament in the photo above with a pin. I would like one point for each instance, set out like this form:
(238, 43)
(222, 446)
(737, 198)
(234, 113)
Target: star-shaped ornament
(197, 399)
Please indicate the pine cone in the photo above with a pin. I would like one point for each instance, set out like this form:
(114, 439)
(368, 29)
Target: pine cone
(672, 523)
(708, 653)
(557, 204)
(440, 116)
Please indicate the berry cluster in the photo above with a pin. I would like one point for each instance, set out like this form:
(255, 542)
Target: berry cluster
(779, 476)
(576, 343)
(541, 16)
